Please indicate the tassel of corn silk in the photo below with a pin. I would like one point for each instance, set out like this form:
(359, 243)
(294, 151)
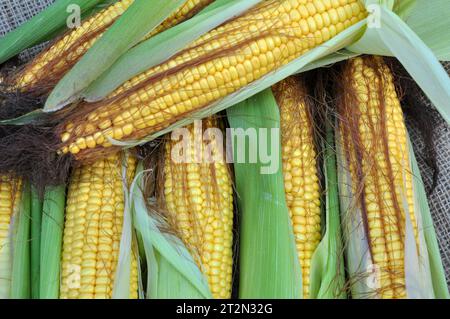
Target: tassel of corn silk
(386, 252)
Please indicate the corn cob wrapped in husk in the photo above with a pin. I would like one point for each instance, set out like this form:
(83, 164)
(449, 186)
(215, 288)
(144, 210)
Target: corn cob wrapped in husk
(93, 230)
(198, 196)
(219, 63)
(387, 253)
(41, 74)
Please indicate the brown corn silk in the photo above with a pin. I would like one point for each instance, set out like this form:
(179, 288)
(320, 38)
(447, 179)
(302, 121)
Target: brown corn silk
(43, 73)
(219, 63)
(93, 229)
(300, 172)
(198, 197)
(374, 139)
(10, 190)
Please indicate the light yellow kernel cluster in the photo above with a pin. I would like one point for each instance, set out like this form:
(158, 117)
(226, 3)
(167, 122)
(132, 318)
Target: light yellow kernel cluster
(301, 179)
(219, 63)
(10, 191)
(93, 230)
(379, 152)
(199, 201)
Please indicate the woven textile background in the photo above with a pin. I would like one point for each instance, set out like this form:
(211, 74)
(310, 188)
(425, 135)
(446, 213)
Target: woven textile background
(15, 12)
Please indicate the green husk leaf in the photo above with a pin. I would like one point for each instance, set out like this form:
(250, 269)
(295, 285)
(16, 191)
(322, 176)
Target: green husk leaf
(164, 45)
(40, 27)
(25, 119)
(121, 289)
(269, 266)
(327, 265)
(6, 257)
(36, 218)
(172, 270)
(51, 241)
(429, 19)
(404, 8)
(137, 21)
(437, 270)
(20, 279)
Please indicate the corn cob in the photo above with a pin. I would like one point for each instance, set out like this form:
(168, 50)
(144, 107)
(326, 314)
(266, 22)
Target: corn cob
(221, 62)
(301, 180)
(375, 138)
(65, 52)
(199, 201)
(10, 191)
(93, 230)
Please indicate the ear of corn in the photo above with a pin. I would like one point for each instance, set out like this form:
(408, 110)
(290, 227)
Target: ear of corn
(300, 171)
(219, 63)
(66, 51)
(375, 151)
(199, 201)
(93, 229)
(10, 191)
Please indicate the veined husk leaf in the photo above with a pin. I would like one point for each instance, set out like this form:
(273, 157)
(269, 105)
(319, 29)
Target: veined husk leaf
(51, 241)
(20, 276)
(11, 270)
(172, 271)
(122, 279)
(429, 19)
(436, 268)
(363, 275)
(164, 45)
(136, 22)
(269, 266)
(31, 117)
(35, 238)
(40, 27)
(327, 264)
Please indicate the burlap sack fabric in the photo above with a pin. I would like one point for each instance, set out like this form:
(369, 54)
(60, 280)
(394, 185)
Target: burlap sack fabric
(15, 12)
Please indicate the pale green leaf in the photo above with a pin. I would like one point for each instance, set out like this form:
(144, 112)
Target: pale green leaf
(269, 266)
(36, 218)
(122, 278)
(173, 272)
(51, 241)
(20, 278)
(430, 20)
(437, 270)
(327, 264)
